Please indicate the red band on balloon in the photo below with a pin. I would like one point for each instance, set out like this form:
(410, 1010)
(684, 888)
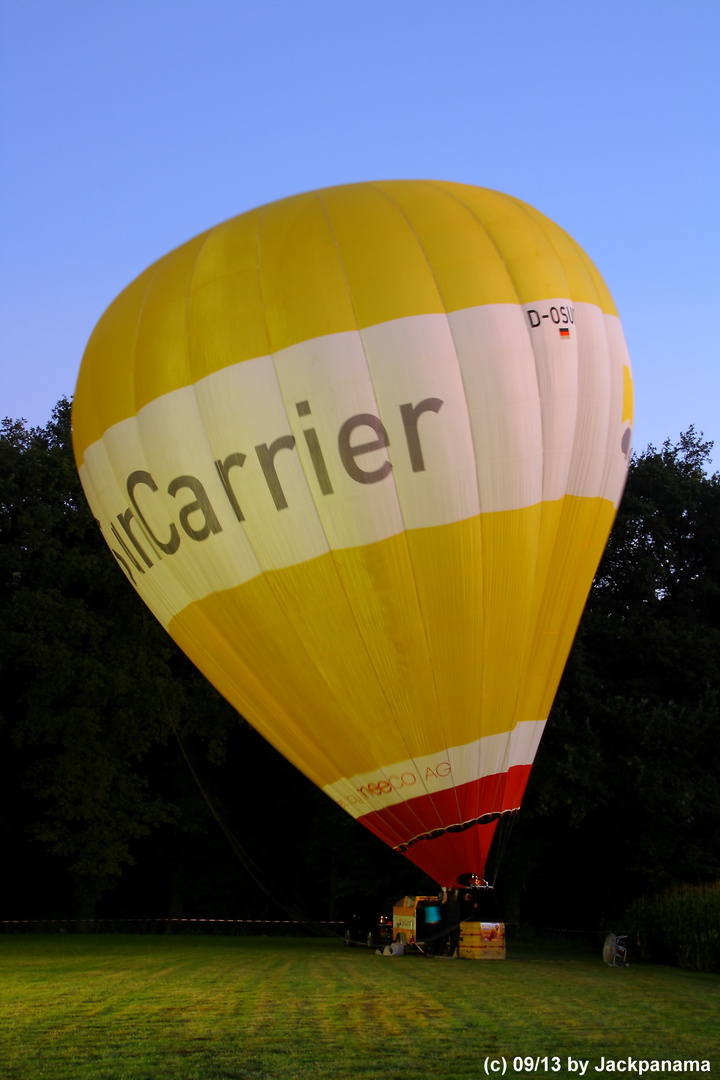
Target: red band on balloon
(449, 832)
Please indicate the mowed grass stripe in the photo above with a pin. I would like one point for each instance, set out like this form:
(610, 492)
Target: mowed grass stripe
(91, 1007)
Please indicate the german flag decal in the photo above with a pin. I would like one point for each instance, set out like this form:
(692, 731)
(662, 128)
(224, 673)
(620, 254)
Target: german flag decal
(564, 332)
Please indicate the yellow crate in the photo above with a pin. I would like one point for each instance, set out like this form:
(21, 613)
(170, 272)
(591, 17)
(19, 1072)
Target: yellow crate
(482, 941)
(484, 952)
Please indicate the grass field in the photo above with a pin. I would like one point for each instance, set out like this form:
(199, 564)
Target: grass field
(241, 1008)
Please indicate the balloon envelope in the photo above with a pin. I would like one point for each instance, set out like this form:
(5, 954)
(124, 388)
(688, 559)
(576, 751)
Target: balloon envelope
(360, 451)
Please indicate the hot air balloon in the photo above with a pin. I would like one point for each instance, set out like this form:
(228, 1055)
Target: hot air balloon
(360, 451)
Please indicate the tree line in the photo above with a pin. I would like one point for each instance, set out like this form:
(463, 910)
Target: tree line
(130, 788)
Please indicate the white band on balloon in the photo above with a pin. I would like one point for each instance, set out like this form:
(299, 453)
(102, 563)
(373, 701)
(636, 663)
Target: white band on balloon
(403, 780)
(351, 438)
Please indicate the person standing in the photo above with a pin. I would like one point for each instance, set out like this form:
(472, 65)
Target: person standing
(433, 931)
(451, 917)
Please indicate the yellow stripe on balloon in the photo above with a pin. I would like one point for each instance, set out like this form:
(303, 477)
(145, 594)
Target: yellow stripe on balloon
(396, 649)
(318, 264)
(628, 395)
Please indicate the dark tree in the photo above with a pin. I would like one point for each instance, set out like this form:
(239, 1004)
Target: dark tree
(623, 797)
(89, 677)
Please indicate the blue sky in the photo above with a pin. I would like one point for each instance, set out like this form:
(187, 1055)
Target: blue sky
(128, 127)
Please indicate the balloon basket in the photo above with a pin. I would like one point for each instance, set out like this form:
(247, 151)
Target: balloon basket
(482, 941)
